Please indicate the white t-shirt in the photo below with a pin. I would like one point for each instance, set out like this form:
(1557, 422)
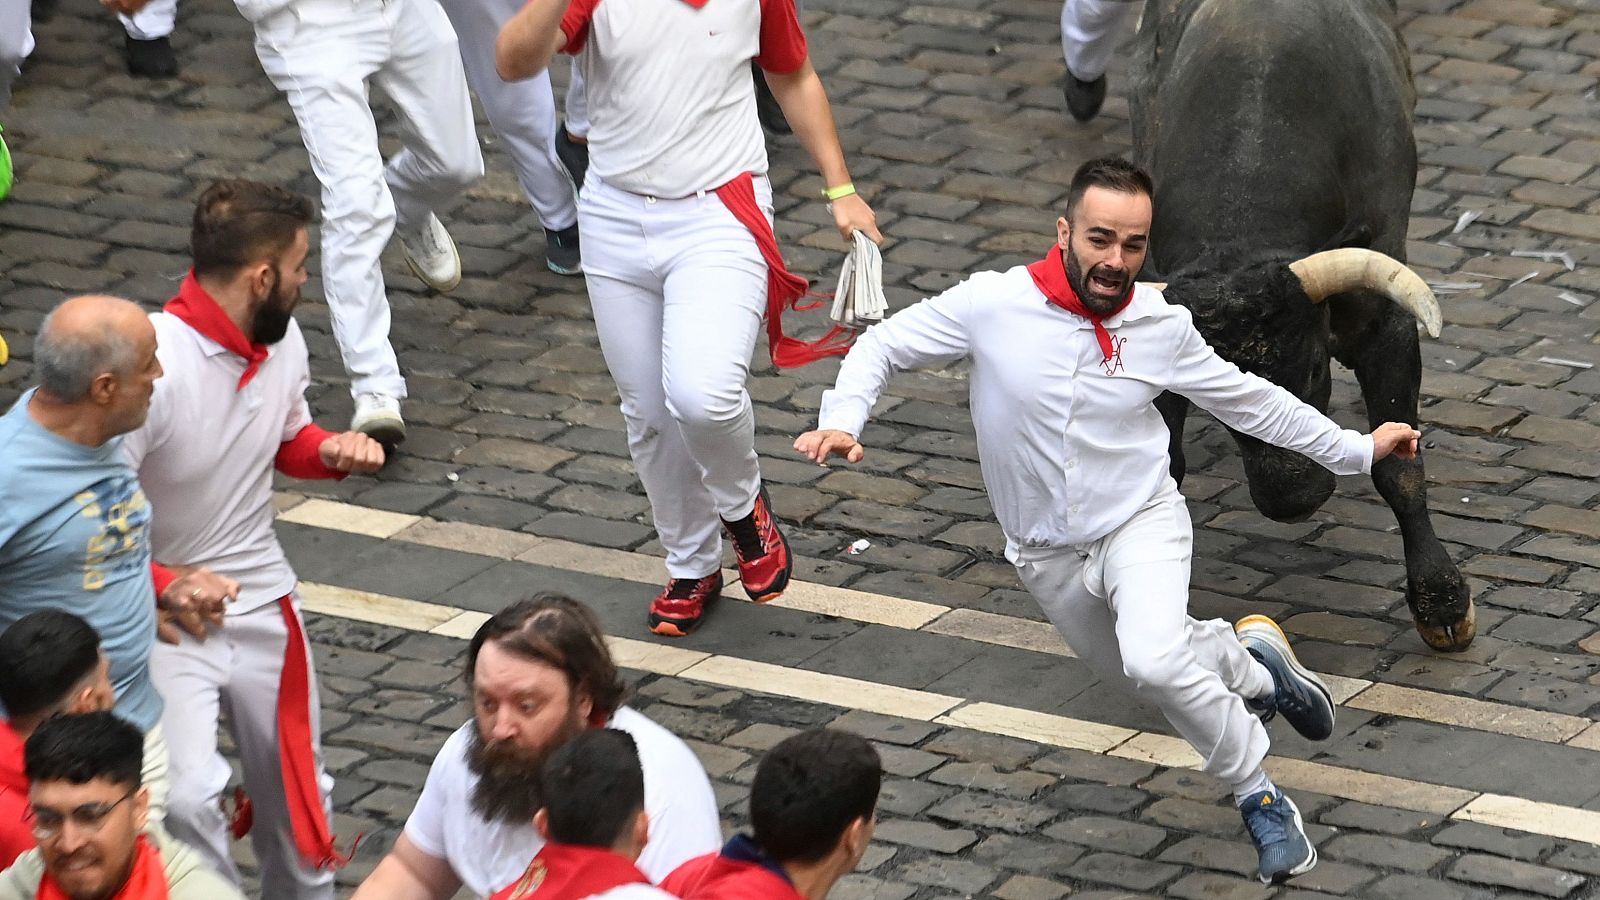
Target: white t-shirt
(487, 856)
(205, 456)
(672, 107)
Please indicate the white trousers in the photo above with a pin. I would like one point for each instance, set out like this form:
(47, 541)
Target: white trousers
(523, 113)
(16, 42)
(156, 20)
(322, 55)
(236, 672)
(678, 289)
(1121, 603)
(1090, 30)
(156, 775)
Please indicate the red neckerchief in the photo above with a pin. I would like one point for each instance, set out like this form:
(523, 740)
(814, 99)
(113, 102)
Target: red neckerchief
(200, 311)
(147, 881)
(12, 775)
(571, 872)
(1050, 276)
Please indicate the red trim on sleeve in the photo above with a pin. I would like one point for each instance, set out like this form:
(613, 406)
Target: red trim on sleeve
(575, 25)
(162, 577)
(783, 43)
(298, 457)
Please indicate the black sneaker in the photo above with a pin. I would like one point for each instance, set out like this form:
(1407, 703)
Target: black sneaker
(1300, 696)
(561, 252)
(574, 157)
(1083, 97)
(1282, 848)
(150, 59)
(767, 108)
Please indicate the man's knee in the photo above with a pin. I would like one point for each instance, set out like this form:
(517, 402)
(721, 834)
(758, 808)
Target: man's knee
(1155, 672)
(698, 405)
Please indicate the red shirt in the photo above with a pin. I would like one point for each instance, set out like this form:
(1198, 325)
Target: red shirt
(571, 872)
(740, 871)
(16, 837)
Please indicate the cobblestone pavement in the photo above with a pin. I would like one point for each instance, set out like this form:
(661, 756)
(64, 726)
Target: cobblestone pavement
(952, 117)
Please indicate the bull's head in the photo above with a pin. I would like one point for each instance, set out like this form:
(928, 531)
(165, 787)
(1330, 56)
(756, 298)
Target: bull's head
(1269, 319)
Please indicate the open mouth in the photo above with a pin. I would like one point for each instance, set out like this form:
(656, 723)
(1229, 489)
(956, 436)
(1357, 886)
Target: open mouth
(1106, 284)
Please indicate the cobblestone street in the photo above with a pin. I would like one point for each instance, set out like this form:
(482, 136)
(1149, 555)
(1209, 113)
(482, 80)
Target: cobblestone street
(1470, 775)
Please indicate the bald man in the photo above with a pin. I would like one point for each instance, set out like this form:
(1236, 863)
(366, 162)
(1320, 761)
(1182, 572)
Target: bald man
(74, 525)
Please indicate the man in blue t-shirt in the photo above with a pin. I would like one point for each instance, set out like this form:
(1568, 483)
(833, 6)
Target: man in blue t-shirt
(74, 525)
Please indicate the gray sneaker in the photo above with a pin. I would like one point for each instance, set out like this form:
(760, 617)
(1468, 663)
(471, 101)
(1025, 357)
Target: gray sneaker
(1301, 697)
(561, 251)
(1282, 848)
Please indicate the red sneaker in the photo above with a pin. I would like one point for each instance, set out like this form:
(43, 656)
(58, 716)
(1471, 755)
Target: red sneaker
(764, 563)
(677, 610)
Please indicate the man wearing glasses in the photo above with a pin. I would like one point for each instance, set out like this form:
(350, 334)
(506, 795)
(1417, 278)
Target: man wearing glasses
(87, 810)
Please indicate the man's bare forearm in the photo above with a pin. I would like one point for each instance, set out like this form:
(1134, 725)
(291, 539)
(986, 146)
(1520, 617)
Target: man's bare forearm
(529, 41)
(805, 105)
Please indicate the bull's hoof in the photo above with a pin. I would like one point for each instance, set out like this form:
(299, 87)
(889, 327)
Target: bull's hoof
(1455, 637)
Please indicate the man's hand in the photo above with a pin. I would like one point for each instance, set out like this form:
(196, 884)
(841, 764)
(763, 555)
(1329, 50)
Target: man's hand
(817, 446)
(1397, 438)
(352, 452)
(850, 212)
(195, 601)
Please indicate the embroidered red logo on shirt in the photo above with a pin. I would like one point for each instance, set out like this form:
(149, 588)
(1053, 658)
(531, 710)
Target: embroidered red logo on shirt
(1113, 363)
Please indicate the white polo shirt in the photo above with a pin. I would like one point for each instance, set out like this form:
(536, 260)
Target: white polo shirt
(672, 106)
(205, 456)
(1069, 442)
(487, 855)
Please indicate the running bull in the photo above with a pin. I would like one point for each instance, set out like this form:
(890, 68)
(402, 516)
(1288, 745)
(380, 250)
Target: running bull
(1279, 136)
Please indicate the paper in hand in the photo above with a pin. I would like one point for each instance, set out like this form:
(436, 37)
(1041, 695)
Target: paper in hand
(858, 302)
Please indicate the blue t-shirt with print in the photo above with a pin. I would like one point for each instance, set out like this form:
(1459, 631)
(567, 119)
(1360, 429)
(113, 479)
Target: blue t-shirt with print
(75, 535)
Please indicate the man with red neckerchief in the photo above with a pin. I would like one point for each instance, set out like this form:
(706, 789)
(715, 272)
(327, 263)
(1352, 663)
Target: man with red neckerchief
(594, 824)
(679, 255)
(230, 410)
(1067, 356)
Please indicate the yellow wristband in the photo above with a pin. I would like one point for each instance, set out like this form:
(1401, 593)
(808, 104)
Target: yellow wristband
(843, 190)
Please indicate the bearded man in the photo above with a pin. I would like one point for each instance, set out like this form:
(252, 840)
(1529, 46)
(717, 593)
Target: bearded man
(232, 409)
(1067, 355)
(540, 674)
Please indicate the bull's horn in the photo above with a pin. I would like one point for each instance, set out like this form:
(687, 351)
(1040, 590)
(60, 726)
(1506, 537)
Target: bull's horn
(1336, 271)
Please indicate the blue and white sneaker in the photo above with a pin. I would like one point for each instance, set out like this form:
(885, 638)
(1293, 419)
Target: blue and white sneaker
(1282, 848)
(1301, 697)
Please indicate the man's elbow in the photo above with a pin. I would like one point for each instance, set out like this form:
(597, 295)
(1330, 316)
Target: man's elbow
(506, 61)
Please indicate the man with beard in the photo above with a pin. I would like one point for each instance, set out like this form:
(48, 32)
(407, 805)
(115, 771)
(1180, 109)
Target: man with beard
(90, 815)
(540, 674)
(1067, 355)
(231, 409)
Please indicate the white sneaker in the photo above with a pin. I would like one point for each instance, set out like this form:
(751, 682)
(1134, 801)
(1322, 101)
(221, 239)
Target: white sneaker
(432, 255)
(378, 417)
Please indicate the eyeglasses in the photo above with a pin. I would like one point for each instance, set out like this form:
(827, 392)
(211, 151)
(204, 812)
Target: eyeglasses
(46, 823)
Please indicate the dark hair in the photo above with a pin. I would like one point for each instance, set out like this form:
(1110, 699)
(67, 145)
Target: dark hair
(79, 749)
(43, 656)
(558, 631)
(1112, 173)
(238, 222)
(807, 791)
(592, 788)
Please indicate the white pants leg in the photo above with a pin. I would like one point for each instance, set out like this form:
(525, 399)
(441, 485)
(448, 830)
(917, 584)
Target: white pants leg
(523, 113)
(16, 42)
(1090, 30)
(237, 671)
(156, 775)
(1121, 603)
(156, 20)
(678, 289)
(321, 53)
(577, 105)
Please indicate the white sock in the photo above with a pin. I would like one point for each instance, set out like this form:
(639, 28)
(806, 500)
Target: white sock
(1254, 783)
(1258, 683)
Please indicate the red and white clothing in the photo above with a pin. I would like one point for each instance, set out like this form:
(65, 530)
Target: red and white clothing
(678, 282)
(1074, 459)
(572, 872)
(16, 835)
(226, 414)
(740, 871)
(487, 856)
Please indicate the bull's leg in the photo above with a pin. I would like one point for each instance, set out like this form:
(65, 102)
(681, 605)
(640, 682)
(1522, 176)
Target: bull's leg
(1388, 364)
(1174, 410)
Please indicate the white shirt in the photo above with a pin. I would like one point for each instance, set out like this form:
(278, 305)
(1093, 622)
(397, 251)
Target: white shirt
(1069, 443)
(672, 107)
(487, 856)
(205, 456)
